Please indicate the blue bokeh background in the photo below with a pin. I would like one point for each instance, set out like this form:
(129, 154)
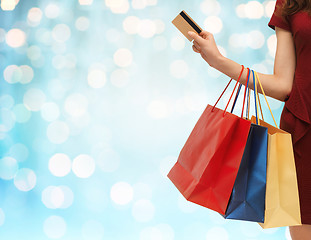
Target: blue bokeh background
(97, 99)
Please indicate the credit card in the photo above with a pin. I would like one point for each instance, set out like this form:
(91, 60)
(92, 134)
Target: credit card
(185, 23)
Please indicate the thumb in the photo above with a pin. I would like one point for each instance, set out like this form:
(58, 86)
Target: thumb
(196, 37)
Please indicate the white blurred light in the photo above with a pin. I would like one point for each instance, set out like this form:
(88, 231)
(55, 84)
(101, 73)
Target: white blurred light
(160, 26)
(12, 74)
(269, 8)
(272, 43)
(34, 16)
(119, 77)
(240, 11)
(83, 166)
(50, 111)
(68, 197)
(131, 24)
(52, 10)
(254, 10)
(151, 2)
(60, 165)
(15, 38)
(118, 6)
(8, 168)
(213, 24)
(27, 74)
(54, 227)
(61, 33)
(57, 197)
(139, 4)
(33, 52)
(21, 113)
(158, 109)
(8, 5)
(25, 179)
(19, 152)
(96, 78)
(121, 193)
(255, 39)
(179, 69)
(85, 2)
(76, 105)
(2, 217)
(210, 7)
(146, 28)
(123, 57)
(34, 99)
(177, 43)
(92, 230)
(82, 23)
(143, 210)
(58, 132)
(218, 233)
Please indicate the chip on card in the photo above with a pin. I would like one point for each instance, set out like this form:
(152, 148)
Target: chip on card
(185, 23)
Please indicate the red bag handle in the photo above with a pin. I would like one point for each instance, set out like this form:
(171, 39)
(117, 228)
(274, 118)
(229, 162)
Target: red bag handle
(231, 93)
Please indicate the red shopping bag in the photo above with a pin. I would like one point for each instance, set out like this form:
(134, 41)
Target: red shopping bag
(208, 163)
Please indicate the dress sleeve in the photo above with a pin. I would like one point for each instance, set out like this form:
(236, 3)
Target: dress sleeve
(277, 20)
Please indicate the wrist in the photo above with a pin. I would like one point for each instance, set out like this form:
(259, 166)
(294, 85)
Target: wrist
(219, 62)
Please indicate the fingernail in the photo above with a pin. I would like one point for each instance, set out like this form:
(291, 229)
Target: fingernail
(190, 33)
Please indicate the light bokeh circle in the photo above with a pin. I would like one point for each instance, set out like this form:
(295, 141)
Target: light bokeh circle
(25, 179)
(54, 227)
(60, 165)
(121, 193)
(83, 166)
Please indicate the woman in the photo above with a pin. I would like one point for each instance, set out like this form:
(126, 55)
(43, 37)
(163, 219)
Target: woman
(290, 82)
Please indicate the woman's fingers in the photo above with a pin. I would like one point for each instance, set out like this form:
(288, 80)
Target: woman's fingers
(196, 45)
(195, 49)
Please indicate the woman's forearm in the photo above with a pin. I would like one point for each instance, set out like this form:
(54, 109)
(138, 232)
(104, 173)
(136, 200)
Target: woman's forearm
(272, 85)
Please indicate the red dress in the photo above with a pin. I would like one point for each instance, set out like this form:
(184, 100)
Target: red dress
(296, 114)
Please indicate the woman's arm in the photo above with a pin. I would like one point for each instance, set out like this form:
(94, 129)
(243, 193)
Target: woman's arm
(277, 85)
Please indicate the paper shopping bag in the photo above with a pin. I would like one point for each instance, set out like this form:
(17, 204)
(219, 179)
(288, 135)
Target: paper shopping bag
(209, 161)
(282, 197)
(247, 200)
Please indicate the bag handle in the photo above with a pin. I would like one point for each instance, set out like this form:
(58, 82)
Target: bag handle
(238, 91)
(263, 92)
(231, 93)
(255, 96)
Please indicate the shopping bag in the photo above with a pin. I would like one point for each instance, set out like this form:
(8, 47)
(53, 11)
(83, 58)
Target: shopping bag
(282, 198)
(209, 161)
(247, 200)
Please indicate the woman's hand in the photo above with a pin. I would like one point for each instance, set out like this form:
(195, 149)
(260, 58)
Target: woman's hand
(205, 45)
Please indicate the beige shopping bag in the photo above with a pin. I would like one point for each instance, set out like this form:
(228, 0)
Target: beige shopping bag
(282, 198)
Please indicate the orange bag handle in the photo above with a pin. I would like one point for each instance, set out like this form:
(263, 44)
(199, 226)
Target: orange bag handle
(263, 92)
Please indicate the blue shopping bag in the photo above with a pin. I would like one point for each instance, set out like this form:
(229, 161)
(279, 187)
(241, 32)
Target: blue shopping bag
(247, 201)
